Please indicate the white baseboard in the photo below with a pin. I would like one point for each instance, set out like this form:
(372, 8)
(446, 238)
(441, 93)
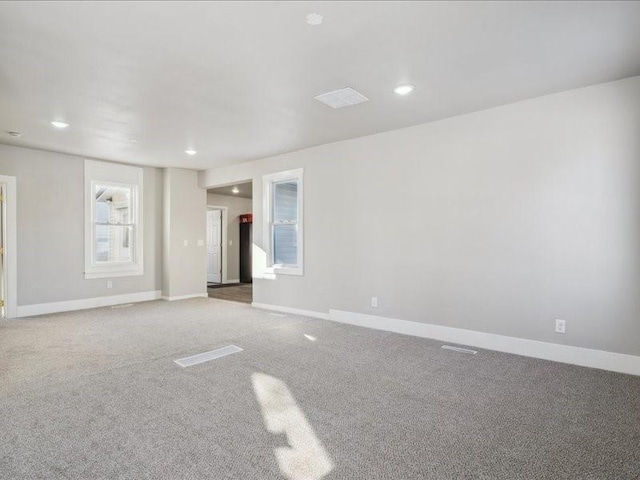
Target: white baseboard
(233, 280)
(70, 305)
(294, 311)
(185, 297)
(585, 357)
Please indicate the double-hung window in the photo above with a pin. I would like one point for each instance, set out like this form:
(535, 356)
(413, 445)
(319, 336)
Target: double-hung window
(283, 221)
(113, 220)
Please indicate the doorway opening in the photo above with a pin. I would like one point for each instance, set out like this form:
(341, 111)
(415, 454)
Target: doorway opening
(229, 242)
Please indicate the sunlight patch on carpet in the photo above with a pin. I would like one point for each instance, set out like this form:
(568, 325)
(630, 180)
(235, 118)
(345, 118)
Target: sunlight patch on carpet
(305, 458)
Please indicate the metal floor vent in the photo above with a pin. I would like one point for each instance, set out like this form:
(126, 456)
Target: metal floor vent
(277, 314)
(207, 356)
(123, 305)
(459, 349)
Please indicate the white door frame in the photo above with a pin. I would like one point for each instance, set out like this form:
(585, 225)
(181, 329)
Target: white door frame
(223, 242)
(10, 242)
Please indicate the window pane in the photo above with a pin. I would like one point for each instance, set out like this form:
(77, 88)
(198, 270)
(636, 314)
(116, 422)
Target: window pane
(285, 201)
(113, 243)
(285, 244)
(113, 204)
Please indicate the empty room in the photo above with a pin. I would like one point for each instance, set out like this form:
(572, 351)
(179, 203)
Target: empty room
(320, 240)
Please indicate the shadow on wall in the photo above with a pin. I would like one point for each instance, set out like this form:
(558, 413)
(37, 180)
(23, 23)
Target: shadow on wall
(306, 457)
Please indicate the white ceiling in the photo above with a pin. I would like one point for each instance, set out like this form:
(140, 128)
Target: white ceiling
(236, 80)
(245, 190)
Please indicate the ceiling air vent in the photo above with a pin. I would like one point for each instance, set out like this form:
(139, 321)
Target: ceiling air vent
(345, 97)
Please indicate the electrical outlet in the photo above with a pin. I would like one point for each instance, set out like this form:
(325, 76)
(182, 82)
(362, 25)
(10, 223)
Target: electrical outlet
(200, 243)
(185, 243)
(374, 302)
(230, 242)
(560, 326)
(109, 284)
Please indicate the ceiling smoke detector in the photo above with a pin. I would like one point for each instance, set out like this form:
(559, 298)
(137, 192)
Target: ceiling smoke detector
(345, 97)
(314, 19)
(15, 134)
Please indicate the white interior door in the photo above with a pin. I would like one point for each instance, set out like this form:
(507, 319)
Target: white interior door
(3, 194)
(214, 243)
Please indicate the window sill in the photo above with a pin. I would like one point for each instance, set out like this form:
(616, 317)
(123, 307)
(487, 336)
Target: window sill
(113, 273)
(285, 271)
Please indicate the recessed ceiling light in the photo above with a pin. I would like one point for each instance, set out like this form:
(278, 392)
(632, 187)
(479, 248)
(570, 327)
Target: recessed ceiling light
(59, 124)
(15, 134)
(133, 140)
(190, 152)
(404, 89)
(235, 190)
(314, 19)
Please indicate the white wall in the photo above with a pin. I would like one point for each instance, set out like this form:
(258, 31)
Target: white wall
(184, 267)
(50, 217)
(236, 206)
(498, 221)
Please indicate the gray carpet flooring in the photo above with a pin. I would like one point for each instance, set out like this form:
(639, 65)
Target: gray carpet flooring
(97, 395)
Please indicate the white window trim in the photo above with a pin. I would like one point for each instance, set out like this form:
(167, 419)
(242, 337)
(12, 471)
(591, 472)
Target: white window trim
(117, 175)
(267, 209)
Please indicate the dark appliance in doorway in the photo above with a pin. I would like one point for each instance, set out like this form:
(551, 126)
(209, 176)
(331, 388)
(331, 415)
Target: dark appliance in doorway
(246, 239)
